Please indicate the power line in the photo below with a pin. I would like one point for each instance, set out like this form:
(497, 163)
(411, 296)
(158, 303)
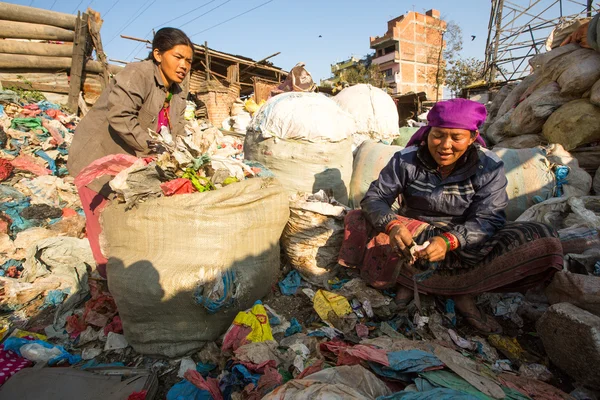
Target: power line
(201, 15)
(111, 7)
(52, 6)
(184, 14)
(77, 8)
(131, 20)
(232, 18)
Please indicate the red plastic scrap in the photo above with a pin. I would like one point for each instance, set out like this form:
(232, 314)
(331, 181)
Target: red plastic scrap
(68, 212)
(267, 382)
(108, 165)
(6, 168)
(54, 113)
(57, 138)
(334, 346)
(12, 272)
(368, 353)
(316, 367)
(138, 395)
(235, 337)
(115, 326)
(259, 368)
(209, 384)
(27, 163)
(177, 186)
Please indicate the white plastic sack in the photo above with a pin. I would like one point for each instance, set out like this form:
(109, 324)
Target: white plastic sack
(311, 117)
(302, 166)
(373, 110)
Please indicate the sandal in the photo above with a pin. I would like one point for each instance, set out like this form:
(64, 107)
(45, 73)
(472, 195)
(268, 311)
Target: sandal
(485, 320)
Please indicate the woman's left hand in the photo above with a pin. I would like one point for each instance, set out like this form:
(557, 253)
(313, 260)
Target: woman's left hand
(436, 251)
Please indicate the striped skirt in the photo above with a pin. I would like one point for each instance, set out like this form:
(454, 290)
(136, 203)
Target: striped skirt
(517, 257)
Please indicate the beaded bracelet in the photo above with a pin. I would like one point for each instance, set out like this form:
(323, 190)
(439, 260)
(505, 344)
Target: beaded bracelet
(451, 241)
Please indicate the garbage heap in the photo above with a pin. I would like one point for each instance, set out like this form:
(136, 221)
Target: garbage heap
(182, 320)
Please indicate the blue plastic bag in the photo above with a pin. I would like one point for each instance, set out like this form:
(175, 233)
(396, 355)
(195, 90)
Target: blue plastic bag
(289, 286)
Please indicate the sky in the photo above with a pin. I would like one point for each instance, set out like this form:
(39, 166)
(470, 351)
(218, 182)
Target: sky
(318, 33)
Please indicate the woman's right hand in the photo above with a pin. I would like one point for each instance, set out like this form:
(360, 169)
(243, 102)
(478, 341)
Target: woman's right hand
(579, 36)
(401, 240)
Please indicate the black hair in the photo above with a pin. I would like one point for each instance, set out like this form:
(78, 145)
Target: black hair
(474, 134)
(167, 38)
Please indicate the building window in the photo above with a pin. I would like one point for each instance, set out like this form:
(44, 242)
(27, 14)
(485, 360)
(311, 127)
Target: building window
(388, 73)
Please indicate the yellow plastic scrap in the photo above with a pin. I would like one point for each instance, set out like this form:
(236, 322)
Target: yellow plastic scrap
(258, 320)
(324, 302)
(251, 106)
(508, 346)
(22, 334)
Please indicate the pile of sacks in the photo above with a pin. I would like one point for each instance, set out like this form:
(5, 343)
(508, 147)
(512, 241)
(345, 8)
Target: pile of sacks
(559, 103)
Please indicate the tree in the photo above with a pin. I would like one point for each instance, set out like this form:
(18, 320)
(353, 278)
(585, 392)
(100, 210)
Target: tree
(462, 72)
(364, 72)
(449, 48)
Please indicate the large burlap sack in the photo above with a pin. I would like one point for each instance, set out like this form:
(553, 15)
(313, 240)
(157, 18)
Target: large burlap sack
(303, 166)
(521, 142)
(369, 160)
(578, 181)
(574, 124)
(531, 113)
(313, 236)
(499, 99)
(498, 130)
(173, 258)
(580, 290)
(310, 117)
(530, 178)
(581, 73)
(588, 157)
(515, 95)
(540, 61)
(577, 221)
(373, 110)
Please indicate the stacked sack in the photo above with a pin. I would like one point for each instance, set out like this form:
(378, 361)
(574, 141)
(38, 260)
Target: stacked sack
(305, 139)
(374, 112)
(559, 103)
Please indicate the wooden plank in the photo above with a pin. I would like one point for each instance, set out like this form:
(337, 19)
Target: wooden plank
(234, 59)
(24, 30)
(43, 87)
(15, 12)
(78, 61)
(94, 25)
(233, 73)
(16, 62)
(36, 49)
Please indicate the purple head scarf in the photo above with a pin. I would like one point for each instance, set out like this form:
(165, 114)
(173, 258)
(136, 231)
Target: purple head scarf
(454, 114)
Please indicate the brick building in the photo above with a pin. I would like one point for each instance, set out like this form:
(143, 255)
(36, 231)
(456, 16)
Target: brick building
(409, 52)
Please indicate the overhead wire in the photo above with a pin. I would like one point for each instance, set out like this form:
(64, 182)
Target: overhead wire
(77, 8)
(131, 20)
(137, 49)
(184, 14)
(111, 7)
(202, 15)
(53, 4)
(232, 18)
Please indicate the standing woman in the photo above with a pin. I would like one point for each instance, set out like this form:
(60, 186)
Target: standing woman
(145, 95)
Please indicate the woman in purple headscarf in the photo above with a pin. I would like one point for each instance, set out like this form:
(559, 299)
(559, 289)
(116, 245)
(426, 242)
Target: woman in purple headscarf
(449, 236)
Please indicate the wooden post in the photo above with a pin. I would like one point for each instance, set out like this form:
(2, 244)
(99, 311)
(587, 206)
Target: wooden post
(79, 49)
(206, 62)
(94, 24)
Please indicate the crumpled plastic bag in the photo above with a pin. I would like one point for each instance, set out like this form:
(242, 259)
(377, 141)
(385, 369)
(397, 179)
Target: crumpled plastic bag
(40, 351)
(248, 327)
